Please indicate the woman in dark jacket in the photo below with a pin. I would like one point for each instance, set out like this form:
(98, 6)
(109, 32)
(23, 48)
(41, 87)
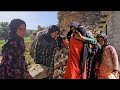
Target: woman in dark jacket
(13, 65)
(46, 49)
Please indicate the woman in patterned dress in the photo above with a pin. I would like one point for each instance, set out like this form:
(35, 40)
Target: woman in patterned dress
(108, 61)
(13, 65)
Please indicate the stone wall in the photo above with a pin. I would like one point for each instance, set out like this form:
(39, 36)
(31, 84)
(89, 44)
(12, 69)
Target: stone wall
(116, 31)
(66, 17)
(89, 19)
(110, 31)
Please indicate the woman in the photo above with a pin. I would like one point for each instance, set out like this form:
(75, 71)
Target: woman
(13, 65)
(92, 50)
(107, 63)
(76, 64)
(46, 49)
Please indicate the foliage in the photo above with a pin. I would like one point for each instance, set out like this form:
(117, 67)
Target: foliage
(4, 29)
(1, 43)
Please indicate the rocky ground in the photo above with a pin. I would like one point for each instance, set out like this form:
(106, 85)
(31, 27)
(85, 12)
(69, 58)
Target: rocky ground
(60, 63)
(38, 71)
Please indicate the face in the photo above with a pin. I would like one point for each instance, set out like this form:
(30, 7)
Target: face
(55, 35)
(101, 41)
(21, 30)
(73, 29)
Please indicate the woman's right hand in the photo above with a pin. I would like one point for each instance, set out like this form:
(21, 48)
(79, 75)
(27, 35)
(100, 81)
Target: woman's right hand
(79, 36)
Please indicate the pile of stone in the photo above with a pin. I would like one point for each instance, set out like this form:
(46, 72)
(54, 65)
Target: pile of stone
(61, 58)
(37, 71)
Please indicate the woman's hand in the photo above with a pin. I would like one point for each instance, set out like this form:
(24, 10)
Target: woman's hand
(79, 36)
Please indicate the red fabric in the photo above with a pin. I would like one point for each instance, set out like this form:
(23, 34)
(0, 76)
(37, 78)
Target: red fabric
(72, 68)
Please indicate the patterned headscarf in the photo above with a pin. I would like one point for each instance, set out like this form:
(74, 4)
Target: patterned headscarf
(104, 36)
(53, 28)
(106, 43)
(14, 25)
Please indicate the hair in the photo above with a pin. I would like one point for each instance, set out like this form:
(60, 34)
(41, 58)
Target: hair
(53, 28)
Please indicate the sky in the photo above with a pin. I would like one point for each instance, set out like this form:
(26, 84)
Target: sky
(32, 19)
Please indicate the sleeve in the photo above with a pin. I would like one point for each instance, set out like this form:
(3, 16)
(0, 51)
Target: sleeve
(90, 40)
(51, 68)
(37, 47)
(114, 57)
(32, 48)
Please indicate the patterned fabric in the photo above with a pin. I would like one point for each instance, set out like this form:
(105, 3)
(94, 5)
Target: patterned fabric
(109, 63)
(32, 48)
(90, 60)
(13, 65)
(91, 51)
(45, 52)
(93, 59)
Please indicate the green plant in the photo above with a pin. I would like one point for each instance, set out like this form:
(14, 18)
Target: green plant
(28, 58)
(1, 43)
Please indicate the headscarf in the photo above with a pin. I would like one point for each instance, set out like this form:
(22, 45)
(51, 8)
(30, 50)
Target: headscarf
(14, 25)
(47, 37)
(104, 36)
(75, 24)
(106, 43)
(53, 28)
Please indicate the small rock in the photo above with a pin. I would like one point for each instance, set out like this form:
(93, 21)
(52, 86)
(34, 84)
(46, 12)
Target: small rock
(57, 73)
(38, 71)
(64, 68)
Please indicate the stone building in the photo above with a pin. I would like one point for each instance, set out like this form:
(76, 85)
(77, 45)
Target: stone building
(107, 22)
